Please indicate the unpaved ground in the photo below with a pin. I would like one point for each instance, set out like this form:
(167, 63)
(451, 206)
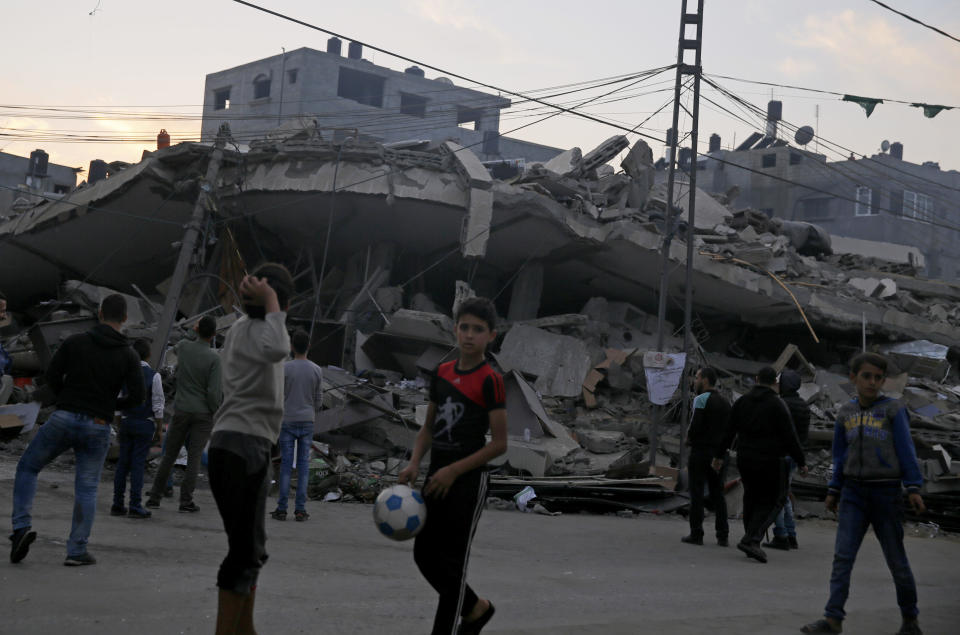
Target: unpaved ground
(335, 574)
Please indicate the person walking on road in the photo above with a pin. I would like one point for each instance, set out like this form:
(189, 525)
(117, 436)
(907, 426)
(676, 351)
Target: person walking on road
(86, 374)
(197, 398)
(467, 400)
(302, 398)
(785, 526)
(707, 429)
(137, 429)
(873, 454)
(765, 434)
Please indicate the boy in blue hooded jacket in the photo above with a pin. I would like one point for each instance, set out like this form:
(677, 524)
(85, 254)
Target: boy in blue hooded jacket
(872, 455)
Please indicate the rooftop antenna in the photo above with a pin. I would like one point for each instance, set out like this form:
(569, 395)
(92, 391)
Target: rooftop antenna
(96, 8)
(816, 113)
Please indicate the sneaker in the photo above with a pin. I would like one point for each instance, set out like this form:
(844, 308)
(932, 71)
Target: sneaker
(301, 515)
(118, 510)
(752, 551)
(910, 626)
(723, 541)
(152, 503)
(692, 540)
(823, 625)
(79, 561)
(778, 542)
(474, 627)
(139, 512)
(278, 514)
(793, 542)
(168, 492)
(20, 540)
(189, 507)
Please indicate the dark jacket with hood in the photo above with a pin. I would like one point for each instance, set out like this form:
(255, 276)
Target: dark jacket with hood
(761, 422)
(799, 410)
(90, 369)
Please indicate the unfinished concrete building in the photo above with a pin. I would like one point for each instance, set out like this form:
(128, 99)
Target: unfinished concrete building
(350, 94)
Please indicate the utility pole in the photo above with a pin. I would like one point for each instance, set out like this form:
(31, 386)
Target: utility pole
(691, 217)
(188, 247)
(684, 44)
(283, 70)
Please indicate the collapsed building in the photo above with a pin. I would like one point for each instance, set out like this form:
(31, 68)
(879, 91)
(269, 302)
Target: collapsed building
(383, 240)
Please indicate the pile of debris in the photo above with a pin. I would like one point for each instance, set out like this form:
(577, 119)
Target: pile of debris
(383, 240)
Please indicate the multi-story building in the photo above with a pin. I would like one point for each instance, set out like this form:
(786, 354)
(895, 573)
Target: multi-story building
(342, 94)
(31, 177)
(878, 198)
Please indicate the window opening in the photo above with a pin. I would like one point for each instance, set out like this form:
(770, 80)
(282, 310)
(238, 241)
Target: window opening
(361, 87)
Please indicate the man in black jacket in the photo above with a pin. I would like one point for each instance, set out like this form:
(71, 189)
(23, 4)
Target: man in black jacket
(784, 527)
(707, 428)
(86, 373)
(765, 433)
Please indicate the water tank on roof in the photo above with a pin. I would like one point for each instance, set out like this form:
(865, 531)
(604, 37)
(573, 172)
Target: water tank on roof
(39, 160)
(714, 142)
(686, 154)
(355, 51)
(414, 70)
(98, 171)
(896, 150)
(774, 110)
(334, 46)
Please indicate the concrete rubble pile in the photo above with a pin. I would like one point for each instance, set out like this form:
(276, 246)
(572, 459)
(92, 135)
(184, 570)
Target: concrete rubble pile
(384, 240)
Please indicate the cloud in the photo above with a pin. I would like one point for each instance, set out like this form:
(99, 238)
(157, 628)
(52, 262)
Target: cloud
(451, 14)
(853, 41)
(792, 67)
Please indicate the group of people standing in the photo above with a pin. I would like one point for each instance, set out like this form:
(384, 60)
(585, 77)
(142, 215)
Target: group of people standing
(243, 401)
(874, 459)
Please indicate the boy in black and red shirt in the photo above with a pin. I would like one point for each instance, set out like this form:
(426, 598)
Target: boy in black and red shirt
(467, 398)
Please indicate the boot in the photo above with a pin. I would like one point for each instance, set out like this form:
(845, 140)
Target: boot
(778, 542)
(245, 626)
(230, 605)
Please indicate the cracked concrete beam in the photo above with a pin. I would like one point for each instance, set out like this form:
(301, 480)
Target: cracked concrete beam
(468, 166)
(476, 228)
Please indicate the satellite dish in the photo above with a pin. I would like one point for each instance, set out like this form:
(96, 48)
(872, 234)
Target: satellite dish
(804, 135)
(884, 145)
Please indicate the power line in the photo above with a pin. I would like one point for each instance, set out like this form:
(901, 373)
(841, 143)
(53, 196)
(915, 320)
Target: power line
(806, 89)
(913, 19)
(437, 69)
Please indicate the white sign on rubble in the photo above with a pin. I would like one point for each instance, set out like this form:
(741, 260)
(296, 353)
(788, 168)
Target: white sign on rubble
(663, 371)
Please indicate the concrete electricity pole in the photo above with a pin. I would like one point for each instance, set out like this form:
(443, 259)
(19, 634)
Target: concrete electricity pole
(684, 69)
(188, 247)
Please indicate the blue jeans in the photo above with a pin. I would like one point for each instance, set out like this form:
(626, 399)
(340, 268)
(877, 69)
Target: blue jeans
(301, 433)
(784, 524)
(135, 437)
(90, 441)
(860, 507)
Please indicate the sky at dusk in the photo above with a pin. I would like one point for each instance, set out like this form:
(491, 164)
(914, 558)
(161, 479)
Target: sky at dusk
(134, 67)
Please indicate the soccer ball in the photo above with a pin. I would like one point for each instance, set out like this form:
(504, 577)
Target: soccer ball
(399, 512)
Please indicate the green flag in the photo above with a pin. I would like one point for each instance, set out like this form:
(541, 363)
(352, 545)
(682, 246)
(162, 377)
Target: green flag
(867, 103)
(930, 111)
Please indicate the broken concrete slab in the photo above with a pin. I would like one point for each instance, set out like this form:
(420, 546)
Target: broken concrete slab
(565, 162)
(921, 358)
(559, 362)
(603, 441)
(602, 153)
